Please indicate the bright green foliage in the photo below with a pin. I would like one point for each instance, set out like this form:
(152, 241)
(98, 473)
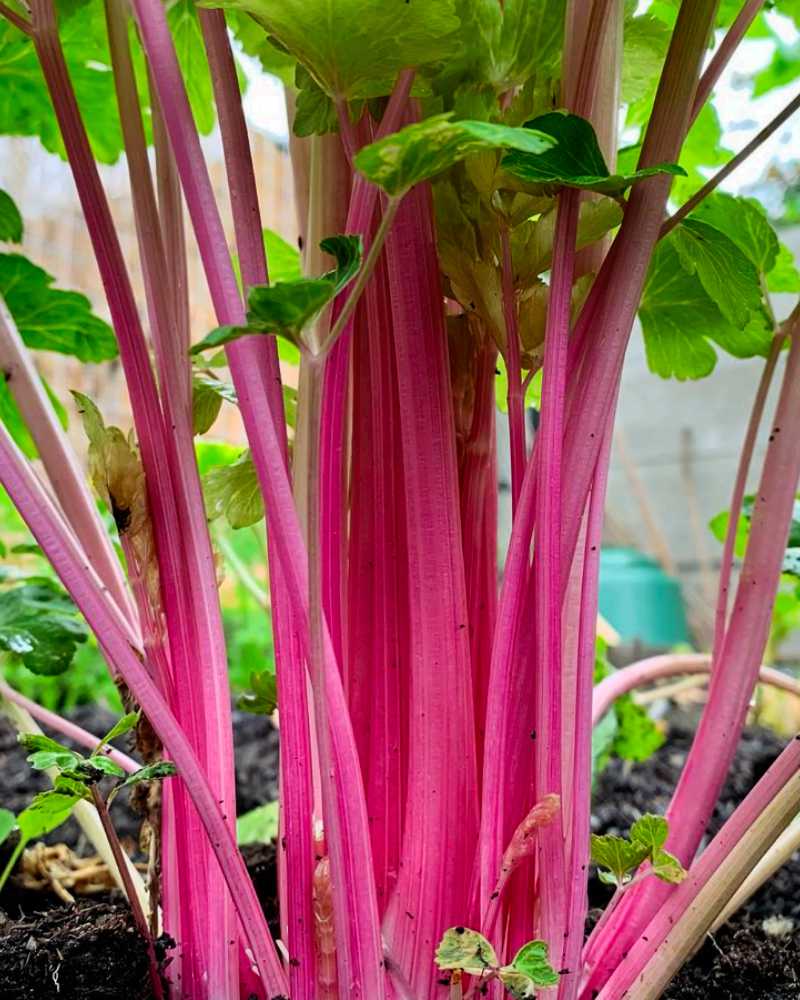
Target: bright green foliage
(646, 39)
(233, 490)
(679, 316)
(575, 159)
(10, 219)
(725, 273)
(355, 48)
(283, 260)
(287, 308)
(208, 394)
(626, 730)
(259, 826)
(50, 319)
(7, 823)
(465, 950)
(39, 626)
(427, 148)
(125, 724)
(618, 857)
(152, 772)
(262, 696)
(255, 42)
(462, 948)
(47, 811)
(791, 559)
(187, 36)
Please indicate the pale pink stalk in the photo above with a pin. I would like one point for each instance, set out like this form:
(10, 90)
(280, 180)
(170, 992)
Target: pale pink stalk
(202, 703)
(735, 672)
(722, 56)
(439, 836)
(59, 461)
(362, 205)
(358, 947)
(737, 498)
(478, 493)
(69, 563)
(66, 728)
(297, 851)
(377, 624)
(515, 398)
(657, 668)
(547, 576)
(577, 833)
(723, 865)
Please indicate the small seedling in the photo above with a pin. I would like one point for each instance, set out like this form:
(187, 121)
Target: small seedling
(462, 950)
(617, 858)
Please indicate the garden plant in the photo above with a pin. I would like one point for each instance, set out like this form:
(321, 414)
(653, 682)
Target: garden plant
(488, 192)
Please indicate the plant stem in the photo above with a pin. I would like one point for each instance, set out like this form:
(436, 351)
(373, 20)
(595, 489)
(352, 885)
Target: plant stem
(722, 56)
(515, 398)
(742, 472)
(133, 900)
(16, 19)
(657, 668)
(712, 184)
(364, 274)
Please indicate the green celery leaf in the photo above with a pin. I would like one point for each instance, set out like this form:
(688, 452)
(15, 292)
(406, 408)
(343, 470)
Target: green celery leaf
(10, 219)
(14, 423)
(128, 722)
(651, 831)
(618, 855)
(462, 948)
(47, 811)
(64, 760)
(702, 149)
(532, 960)
(575, 159)
(679, 319)
(646, 39)
(784, 277)
(355, 48)
(39, 625)
(288, 307)
(283, 259)
(208, 394)
(233, 490)
(262, 697)
(719, 528)
(152, 772)
(50, 319)
(255, 42)
(38, 741)
(783, 68)
(744, 222)
(666, 867)
(259, 825)
(637, 736)
(314, 112)
(425, 149)
(7, 823)
(725, 272)
(188, 38)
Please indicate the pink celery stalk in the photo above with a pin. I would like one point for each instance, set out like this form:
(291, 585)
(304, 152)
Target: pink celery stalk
(439, 834)
(59, 461)
(477, 475)
(376, 647)
(296, 795)
(66, 728)
(726, 566)
(651, 951)
(333, 454)
(734, 676)
(516, 394)
(358, 939)
(656, 668)
(547, 577)
(69, 563)
(203, 702)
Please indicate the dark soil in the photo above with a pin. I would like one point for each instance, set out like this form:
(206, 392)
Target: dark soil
(750, 958)
(91, 950)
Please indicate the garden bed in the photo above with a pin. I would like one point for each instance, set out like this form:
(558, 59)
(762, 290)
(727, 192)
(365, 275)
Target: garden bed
(49, 950)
